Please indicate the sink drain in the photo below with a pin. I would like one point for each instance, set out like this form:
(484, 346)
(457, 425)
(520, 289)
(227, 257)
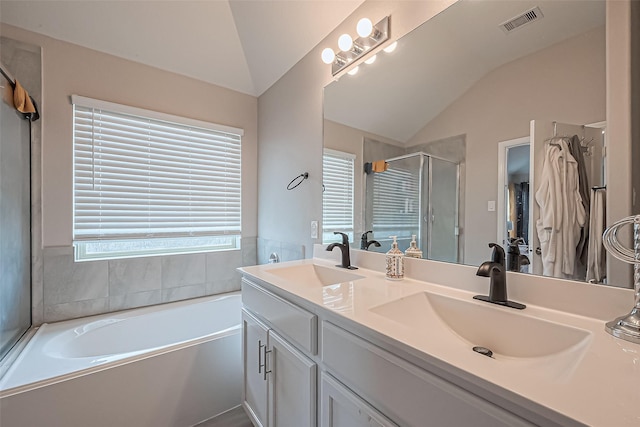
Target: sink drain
(483, 350)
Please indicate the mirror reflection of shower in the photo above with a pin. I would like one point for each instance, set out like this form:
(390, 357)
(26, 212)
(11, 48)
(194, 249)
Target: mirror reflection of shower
(417, 194)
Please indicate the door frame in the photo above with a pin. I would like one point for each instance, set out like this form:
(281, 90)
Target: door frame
(503, 147)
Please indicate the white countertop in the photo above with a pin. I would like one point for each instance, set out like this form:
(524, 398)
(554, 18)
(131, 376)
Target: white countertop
(598, 389)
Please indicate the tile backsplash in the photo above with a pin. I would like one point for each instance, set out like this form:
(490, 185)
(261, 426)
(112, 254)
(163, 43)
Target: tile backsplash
(76, 289)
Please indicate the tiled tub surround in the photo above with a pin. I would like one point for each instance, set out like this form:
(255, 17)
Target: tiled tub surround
(286, 251)
(78, 289)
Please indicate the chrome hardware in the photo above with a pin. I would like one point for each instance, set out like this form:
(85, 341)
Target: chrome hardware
(626, 327)
(265, 363)
(260, 364)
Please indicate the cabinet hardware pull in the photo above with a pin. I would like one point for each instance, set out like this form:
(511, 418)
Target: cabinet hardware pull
(265, 363)
(260, 365)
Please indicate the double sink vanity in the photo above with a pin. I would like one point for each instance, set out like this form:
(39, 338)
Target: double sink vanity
(333, 347)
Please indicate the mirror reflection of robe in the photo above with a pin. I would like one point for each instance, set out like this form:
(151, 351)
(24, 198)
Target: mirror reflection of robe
(562, 213)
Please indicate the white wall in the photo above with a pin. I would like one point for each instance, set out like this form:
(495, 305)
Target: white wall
(78, 289)
(290, 129)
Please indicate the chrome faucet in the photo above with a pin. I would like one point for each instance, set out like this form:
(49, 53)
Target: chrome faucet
(495, 271)
(365, 242)
(344, 247)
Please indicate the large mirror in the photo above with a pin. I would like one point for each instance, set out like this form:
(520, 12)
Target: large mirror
(452, 138)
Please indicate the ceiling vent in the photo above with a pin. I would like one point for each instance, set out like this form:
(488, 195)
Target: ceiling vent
(521, 20)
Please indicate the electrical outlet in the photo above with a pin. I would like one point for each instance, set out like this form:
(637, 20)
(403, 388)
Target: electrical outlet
(491, 205)
(314, 229)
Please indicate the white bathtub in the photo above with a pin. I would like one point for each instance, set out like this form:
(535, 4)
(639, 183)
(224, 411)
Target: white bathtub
(169, 365)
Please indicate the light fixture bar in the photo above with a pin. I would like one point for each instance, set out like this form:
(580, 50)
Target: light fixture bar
(362, 46)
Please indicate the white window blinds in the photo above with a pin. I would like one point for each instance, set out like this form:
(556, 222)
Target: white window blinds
(337, 197)
(141, 174)
(396, 202)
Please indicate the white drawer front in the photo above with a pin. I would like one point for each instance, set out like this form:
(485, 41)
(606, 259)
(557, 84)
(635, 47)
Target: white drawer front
(405, 393)
(298, 325)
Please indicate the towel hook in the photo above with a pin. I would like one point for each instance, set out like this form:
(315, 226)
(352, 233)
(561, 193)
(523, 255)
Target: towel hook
(297, 180)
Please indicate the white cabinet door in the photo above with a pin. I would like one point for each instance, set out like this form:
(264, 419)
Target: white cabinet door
(254, 393)
(292, 385)
(342, 408)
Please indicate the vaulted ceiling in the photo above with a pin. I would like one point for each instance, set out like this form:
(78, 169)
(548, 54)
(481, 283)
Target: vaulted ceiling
(244, 45)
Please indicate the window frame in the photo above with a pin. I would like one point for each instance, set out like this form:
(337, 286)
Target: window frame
(349, 230)
(169, 241)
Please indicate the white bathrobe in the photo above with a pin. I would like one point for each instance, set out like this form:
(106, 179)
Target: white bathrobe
(562, 214)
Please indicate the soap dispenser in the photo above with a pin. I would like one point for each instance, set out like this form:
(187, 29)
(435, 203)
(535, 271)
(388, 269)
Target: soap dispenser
(413, 251)
(395, 261)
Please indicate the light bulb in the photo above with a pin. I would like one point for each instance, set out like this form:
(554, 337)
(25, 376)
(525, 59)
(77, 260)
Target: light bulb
(371, 60)
(364, 27)
(345, 42)
(353, 72)
(391, 47)
(328, 56)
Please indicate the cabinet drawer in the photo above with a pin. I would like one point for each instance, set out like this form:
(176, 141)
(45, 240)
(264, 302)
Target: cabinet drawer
(402, 391)
(298, 325)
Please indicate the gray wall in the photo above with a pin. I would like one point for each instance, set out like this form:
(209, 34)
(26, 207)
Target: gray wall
(290, 129)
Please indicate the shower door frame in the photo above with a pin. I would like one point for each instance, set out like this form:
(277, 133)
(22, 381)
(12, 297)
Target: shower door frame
(5, 356)
(427, 218)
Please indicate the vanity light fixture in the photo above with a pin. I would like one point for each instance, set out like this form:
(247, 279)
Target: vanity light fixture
(370, 37)
(345, 42)
(364, 27)
(328, 56)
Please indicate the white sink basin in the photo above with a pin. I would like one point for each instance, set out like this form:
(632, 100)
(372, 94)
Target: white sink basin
(314, 275)
(505, 331)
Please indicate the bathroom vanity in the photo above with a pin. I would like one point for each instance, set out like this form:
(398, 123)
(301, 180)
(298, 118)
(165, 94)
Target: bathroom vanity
(329, 347)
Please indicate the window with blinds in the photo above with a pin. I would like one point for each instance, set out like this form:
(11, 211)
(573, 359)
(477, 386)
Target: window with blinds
(337, 197)
(149, 183)
(396, 202)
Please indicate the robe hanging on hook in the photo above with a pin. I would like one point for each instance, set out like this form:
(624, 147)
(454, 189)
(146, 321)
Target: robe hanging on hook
(297, 180)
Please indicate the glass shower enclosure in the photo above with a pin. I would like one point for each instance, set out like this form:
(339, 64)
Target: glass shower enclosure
(417, 195)
(15, 222)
